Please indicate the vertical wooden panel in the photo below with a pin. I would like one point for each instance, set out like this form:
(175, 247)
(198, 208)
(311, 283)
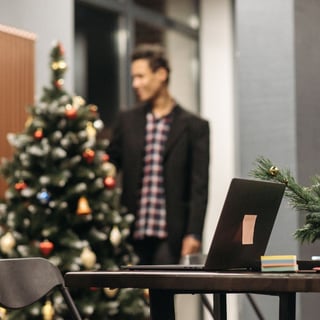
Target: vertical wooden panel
(16, 85)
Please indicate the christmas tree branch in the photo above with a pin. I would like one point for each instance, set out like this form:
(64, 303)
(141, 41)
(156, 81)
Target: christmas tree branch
(302, 198)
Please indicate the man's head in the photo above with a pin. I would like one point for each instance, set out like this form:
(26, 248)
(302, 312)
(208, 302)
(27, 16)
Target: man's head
(149, 70)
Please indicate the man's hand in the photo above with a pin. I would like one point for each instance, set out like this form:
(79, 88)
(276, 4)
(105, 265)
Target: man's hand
(190, 245)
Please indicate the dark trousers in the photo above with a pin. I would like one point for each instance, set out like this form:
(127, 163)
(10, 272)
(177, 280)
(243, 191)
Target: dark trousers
(154, 251)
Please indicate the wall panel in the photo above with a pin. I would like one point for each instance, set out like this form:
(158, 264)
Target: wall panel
(16, 84)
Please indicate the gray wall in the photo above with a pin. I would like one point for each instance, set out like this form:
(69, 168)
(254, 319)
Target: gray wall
(307, 45)
(51, 21)
(265, 85)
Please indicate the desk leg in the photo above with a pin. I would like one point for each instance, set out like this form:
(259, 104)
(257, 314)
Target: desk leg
(161, 305)
(220, 306)
(287, 307)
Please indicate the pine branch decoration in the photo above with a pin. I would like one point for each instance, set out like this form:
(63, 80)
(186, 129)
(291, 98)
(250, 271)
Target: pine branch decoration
(301, 198)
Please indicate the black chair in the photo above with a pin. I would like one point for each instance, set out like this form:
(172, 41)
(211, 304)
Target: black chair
(24, 281)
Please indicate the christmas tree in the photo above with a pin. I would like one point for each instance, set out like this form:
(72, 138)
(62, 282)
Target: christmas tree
(303, 198)
(62, 202)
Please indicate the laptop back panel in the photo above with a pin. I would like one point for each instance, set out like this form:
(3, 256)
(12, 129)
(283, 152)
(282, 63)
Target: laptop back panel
(243, 230)
(245, 225)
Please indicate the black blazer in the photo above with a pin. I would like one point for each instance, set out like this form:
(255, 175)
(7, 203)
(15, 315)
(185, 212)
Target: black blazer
(186, 165)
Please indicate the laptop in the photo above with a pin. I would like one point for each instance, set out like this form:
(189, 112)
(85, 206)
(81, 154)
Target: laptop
(243, 230)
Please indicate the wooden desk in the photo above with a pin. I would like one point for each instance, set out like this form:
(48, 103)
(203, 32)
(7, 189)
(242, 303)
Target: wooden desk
(164, 285)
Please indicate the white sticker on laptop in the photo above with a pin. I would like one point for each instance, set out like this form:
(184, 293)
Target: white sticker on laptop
(248, 226)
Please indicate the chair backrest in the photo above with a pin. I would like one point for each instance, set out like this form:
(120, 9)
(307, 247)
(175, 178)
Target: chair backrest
(24, 281)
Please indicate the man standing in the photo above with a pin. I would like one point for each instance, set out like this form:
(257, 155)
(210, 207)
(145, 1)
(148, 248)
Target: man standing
(162, 151)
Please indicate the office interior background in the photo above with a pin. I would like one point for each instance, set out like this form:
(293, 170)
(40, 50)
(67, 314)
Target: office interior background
(252, 68)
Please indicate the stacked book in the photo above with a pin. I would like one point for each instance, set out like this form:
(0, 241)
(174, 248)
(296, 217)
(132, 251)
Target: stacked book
(279, 263)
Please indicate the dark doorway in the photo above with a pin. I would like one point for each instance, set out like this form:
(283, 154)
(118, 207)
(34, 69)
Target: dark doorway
(96, 59)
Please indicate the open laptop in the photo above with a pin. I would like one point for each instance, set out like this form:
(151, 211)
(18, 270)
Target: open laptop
(243, 230)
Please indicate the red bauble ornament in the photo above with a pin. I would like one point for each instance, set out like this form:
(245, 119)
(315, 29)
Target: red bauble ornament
(38, 134)
(88, 154)
(110, 292)
(93, 108)
(105, 157)
(71, 112)
(46, 247)
(109, 182)
(146, 294)
(20, 185)
(59, 83)
(61, 48)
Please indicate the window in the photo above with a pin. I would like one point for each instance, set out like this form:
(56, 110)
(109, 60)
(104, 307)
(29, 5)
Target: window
(184, 11)
(107, 30)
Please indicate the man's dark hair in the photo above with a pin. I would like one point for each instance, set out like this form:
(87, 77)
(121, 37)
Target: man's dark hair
(154, 53)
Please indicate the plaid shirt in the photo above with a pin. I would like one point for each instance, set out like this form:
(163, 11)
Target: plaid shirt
(151, 217)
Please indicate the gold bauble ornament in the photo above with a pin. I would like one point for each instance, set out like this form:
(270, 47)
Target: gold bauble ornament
(91, 131)
(109, 168)
(88, 258)
(115, 236)
(274, 171)
(47, 311)
(59, 65)
(110, 293)
(3, 313)
(29, 121)
(83, 206)
(78, 101)
(7, 243)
